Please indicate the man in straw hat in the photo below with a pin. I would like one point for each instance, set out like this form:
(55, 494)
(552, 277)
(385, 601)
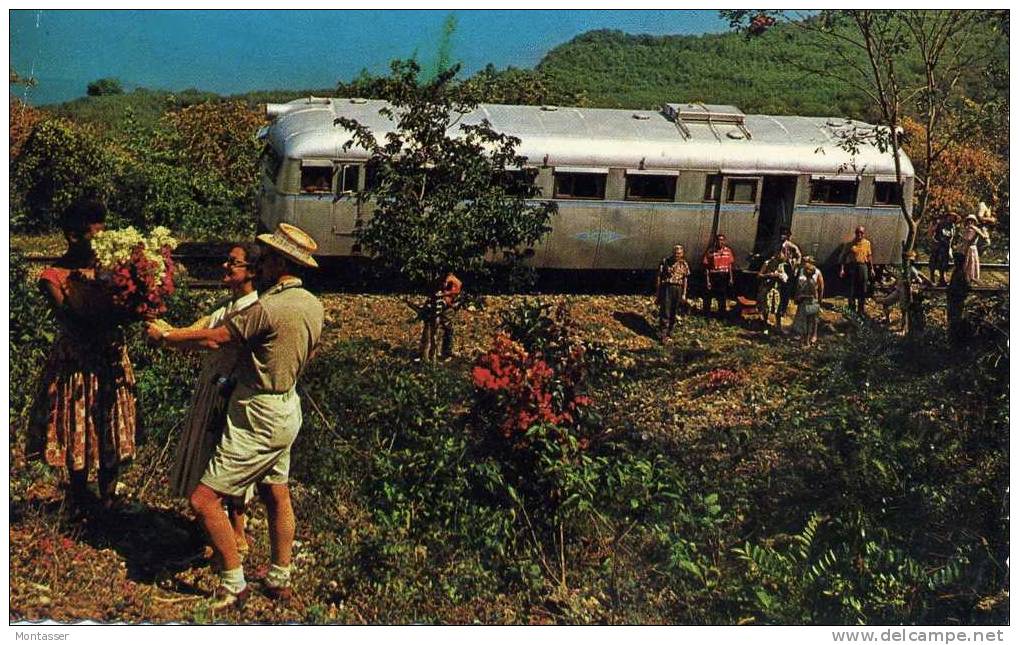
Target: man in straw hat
(279, 333)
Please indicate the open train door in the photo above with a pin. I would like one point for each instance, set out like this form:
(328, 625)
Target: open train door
(347, 206)
(778, 195)
(737, 214)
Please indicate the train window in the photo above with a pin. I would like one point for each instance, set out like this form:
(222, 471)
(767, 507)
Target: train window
(650, 188)
(579, 185)
(713, 188)
(742, 191)
(826, 191)
(316, 179)
(347, 178)
(518, 183)
(888, 193)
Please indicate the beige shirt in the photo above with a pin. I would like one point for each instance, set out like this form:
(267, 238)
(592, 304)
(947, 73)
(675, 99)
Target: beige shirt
(216, 317)
(278, 333)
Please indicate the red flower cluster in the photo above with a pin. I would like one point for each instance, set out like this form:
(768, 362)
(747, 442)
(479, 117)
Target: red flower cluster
(518, 388)
(722, 378)
(760, 24)
(135, 287)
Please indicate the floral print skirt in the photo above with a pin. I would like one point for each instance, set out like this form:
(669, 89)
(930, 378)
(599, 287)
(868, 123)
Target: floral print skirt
(84, 415)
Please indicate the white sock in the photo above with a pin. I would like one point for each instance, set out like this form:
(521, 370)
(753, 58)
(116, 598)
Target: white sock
(233, 580)
(278, 576)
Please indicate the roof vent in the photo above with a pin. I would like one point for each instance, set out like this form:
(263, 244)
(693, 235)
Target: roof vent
(683, 114)
(641, 117)
(358, 101)
(549, 108)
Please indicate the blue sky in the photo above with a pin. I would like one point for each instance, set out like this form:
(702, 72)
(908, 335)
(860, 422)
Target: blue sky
(235, 51)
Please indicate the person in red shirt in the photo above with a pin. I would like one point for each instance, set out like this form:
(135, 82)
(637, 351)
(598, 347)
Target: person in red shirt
(438, 313)
(718, 273)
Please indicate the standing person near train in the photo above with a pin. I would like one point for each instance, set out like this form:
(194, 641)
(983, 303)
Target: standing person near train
(942, 240)
(793, 258)
(437, 313)
(670, 290)
(809, 294)
(770, 280)
(718, 274)
(858, 257)
(278, 334)
(206, 416)
(972, 234)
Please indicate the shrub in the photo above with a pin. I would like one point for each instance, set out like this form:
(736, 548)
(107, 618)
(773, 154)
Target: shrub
(166, 378)
(835, 572)
(59, 164)
(32, 332)
(104, 87)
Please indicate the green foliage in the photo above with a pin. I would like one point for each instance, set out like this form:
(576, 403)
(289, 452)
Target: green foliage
(193, 175)
(834, 572)
(766, 75)
(436, 207)
(32, 332)
(166, 379)
(104, 87)
(524, 87)
(59, 164)
(111, 115)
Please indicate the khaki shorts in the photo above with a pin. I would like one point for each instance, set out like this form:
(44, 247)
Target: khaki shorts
(255, 448)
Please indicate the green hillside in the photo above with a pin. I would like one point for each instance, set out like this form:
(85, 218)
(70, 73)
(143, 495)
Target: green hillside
(760, 75)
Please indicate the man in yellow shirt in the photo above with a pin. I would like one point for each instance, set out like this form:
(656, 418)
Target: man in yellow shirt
(859, 261)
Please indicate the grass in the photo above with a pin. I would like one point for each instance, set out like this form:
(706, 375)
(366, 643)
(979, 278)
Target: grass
(754, 458)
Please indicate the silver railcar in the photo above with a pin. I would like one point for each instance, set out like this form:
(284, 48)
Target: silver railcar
(629, 183)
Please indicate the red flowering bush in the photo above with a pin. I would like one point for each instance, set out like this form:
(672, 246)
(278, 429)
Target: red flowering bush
(534, 376)
(517, 390)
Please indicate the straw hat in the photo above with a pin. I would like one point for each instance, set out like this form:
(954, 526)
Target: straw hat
(292, 242)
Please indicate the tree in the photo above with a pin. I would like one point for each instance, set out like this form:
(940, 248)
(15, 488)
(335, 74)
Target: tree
(217, 136)
(59, 164)
(524, 87)
(969, 172)
(443, 197)
(874, 51)
(23, 119)
(104, 87)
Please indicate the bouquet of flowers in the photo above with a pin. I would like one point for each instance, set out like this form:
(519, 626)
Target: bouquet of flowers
(137, 271)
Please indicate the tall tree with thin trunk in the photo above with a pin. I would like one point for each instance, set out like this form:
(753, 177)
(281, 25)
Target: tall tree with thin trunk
(908, 62)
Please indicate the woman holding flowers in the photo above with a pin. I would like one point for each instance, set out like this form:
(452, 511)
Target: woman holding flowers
(206, 417)
(84, 416)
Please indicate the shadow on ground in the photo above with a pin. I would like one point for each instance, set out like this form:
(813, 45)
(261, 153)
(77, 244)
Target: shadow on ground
(154, 543)
(636, 323)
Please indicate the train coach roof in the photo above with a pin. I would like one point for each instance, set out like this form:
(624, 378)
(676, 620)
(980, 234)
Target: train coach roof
(604, 138)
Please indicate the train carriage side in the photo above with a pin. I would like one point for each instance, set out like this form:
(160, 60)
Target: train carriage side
(628, 184)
